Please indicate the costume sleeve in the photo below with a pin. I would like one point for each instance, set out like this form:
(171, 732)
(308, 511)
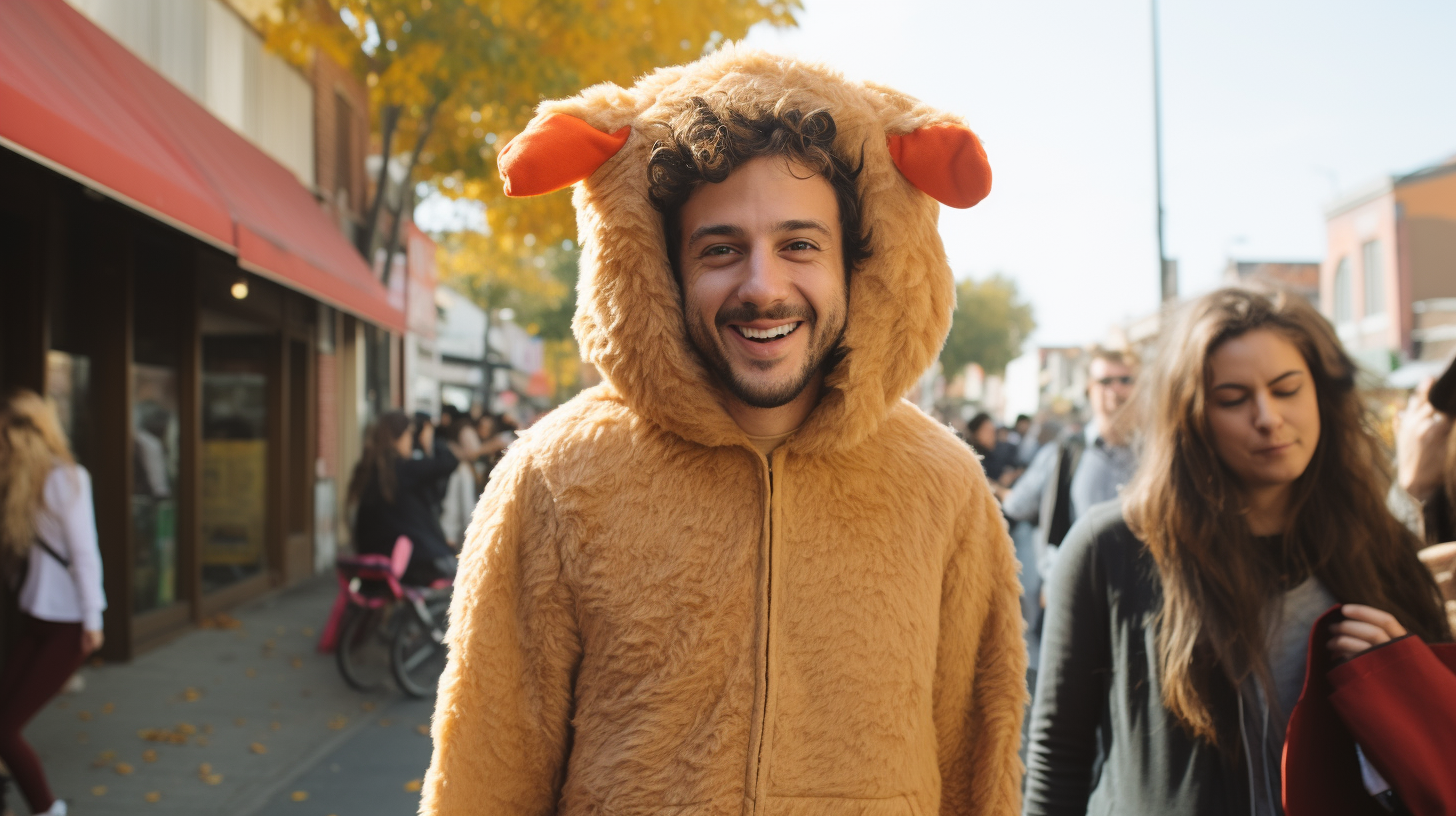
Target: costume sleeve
(1068, 706)
(980, 695)
(1023, 503)
(502, 714)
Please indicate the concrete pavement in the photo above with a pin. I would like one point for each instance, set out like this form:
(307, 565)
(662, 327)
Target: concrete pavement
(243, 718)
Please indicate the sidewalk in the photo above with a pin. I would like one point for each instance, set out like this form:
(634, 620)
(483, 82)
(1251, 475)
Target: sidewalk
(227, 720)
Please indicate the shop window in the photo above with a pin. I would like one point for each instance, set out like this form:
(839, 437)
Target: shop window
(1374, 273)
(156, 431)
(1343, 310)
(235, 425)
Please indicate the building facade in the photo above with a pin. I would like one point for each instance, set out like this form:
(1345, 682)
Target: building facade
(180, 281)
(1388, 281)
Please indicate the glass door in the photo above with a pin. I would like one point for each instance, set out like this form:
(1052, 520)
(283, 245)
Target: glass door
(235, 425)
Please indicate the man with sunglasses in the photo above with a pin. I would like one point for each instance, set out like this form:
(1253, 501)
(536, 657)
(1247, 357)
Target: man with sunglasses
(1081, 470)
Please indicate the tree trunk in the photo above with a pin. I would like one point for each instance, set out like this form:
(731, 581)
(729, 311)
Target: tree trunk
(408, 193)
(388, 120)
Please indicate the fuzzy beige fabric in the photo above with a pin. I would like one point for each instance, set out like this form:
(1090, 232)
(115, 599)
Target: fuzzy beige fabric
(651, 618)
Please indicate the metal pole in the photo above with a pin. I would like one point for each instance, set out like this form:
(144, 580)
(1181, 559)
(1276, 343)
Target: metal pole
(1166, 291)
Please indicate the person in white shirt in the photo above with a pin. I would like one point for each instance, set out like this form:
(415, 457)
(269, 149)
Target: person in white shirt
(461, 492)
(48, 525)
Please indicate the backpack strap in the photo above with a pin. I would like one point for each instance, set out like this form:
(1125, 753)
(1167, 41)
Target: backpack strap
(65, 562)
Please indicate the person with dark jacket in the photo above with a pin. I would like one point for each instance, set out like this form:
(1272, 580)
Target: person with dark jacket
(1177, 625)
(394, 494)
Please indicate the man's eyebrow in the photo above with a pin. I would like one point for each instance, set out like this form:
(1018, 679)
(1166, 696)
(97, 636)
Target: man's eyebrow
(798, 225)
(727, 230)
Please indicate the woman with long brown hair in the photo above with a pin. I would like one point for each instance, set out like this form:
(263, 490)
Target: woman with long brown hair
(393, 494)
(48, 536)
(1177, 623)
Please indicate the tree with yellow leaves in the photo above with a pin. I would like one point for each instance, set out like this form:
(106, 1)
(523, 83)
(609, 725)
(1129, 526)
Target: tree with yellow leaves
(453, 80)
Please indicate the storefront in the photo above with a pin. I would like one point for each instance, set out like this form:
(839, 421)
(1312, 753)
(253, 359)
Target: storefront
(211, 341)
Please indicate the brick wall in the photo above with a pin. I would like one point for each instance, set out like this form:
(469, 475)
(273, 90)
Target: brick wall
(332, 82)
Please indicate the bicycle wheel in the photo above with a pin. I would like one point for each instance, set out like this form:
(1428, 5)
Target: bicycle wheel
(417, 652)
(363, 649)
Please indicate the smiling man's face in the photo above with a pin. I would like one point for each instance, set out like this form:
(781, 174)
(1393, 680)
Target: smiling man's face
(763, 279)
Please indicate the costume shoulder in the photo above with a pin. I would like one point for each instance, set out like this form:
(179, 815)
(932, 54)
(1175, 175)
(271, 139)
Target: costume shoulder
(942, 456)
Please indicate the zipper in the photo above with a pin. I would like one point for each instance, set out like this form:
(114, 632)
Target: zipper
(756, 781)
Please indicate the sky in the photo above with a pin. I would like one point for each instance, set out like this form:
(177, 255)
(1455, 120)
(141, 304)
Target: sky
(1272, 109)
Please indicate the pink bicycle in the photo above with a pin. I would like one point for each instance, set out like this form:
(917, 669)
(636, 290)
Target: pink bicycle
(380, 627)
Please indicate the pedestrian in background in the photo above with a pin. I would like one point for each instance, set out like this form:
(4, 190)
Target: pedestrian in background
(1178, 623)
(461, 491)
(394, 496)
(48, 536)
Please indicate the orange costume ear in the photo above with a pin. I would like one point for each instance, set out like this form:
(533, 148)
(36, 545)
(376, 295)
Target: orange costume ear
(555, 151)
(946, 162)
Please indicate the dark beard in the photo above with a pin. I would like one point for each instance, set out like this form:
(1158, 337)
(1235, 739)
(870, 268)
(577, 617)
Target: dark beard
(823, 345)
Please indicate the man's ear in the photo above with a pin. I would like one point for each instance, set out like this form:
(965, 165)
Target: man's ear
(553, 152)
(946, 162)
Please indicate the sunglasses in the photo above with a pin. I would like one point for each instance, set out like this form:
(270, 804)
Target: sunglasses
(1106, 381)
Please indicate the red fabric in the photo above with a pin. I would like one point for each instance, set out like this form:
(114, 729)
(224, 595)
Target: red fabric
(946, 162)
(553, 152)
(44, 656)
(1399, 702)
(76, 97)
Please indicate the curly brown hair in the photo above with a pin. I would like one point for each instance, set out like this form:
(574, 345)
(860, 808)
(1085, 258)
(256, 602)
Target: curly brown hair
(707, 142)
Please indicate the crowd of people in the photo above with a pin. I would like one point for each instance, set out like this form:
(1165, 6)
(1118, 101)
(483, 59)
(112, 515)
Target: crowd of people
(421, 478)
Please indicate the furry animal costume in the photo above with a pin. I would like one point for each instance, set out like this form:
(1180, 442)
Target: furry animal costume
(651, 617)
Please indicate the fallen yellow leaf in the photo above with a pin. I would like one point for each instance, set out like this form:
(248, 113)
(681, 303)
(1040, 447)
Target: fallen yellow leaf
(153, 796)
(424, 729)
(299, 796)
(204, 769)
(275, 725)
(386, 722)
(83, 716)
(240, 722)
(187, 728)
(123, 768)
(200, 741)
(258, 748)
(414, 785)
(307, 631)
(338, 722)
(212, 779)
(251, 672)
(98, 790)
(108, 708)
(367, 705)
(191, 695)
(149, 755)
(296, 662)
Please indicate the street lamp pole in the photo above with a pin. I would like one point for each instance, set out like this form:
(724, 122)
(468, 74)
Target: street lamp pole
(1167, 282)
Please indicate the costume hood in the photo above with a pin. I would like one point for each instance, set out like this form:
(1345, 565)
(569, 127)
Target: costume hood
(629, 320)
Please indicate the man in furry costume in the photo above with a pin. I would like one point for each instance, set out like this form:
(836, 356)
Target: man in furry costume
(694, 590)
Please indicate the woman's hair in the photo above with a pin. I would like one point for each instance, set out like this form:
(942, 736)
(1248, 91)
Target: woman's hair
(1187, 506)
(707, 142)
(31, 444)
(379, 457)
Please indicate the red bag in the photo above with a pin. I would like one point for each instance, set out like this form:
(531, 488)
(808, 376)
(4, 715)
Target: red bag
(1398, 700)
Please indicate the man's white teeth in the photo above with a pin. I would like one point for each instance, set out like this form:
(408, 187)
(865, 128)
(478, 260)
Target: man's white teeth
(767, 334)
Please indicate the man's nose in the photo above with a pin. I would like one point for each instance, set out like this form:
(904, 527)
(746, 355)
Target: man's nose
(766, 281)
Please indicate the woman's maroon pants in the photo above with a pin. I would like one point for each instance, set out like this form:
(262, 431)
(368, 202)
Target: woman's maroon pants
(45, 655)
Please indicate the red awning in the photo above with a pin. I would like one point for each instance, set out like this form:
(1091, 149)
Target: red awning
(76, 100)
